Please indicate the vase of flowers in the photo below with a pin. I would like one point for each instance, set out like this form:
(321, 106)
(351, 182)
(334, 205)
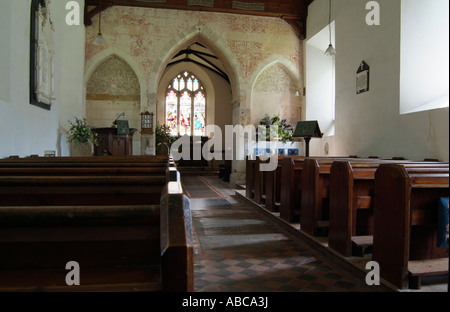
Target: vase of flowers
(163, 137)
(284, 131)
(81, 138)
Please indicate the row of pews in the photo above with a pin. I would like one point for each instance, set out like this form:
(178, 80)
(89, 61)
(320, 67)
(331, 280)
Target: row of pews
(386, 206)
(124, 220)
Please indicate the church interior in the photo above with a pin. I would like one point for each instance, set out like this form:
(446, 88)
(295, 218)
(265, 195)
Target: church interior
(371, 76)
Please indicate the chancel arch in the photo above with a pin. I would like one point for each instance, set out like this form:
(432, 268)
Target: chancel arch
(214, 43)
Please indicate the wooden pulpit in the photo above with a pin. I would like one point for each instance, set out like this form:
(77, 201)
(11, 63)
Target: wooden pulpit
(110, 142)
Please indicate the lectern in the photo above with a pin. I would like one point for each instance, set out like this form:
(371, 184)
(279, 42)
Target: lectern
(307, 130)
(110, 142)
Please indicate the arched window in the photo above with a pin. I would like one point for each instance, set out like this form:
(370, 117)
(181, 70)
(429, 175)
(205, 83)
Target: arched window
(185, 111)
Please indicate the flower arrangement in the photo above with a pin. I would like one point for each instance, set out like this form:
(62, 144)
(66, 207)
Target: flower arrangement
(80, 132)
(162, 133)
(285, 131)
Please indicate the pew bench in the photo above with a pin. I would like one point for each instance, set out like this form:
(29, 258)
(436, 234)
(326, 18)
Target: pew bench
(249, 178)
(93, 161)
(282, 180)
(290, 188)
(80, 190)
(126, 221)
(291, 180)
(351, 202)
(118, 247)
(405, 224)
(273, 188)
(316, 174)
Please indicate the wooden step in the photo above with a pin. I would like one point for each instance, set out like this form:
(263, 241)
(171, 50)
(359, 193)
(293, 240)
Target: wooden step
(360, 244)
(419, 268)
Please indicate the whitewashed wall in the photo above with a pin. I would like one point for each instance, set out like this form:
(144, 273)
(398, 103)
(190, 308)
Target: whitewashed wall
(26, 129)
(370, 124)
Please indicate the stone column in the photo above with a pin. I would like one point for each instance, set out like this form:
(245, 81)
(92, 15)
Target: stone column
(237, 176)
(148, 140)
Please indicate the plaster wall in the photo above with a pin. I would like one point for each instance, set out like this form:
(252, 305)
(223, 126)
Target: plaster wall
(370, 124)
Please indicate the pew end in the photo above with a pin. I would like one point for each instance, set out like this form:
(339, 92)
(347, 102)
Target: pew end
(177, 248)
(406, 224)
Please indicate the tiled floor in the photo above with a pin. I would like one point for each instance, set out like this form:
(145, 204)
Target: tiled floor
(239, 249)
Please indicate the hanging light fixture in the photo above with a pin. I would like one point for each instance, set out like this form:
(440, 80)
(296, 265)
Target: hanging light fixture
(99, 40)
(330, 51)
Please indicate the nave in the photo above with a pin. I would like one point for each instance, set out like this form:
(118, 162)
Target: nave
(238, 248)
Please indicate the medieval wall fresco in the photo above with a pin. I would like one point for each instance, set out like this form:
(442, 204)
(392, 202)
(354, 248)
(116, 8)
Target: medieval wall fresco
(275, 93)
(146, 35)
(112, 89)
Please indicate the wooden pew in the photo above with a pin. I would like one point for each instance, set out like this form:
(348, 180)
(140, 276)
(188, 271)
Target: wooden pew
(273, 187)
(114, 215)
(118, 247)
(291, 175)
(404, 240)
(80, 190)
(177, 247)
(37, 242)
(276, 183)
(249, 179)
(259, 193)
(315, 193)
(290, 188)
(351, 202)
(94, 161)
(98, 159)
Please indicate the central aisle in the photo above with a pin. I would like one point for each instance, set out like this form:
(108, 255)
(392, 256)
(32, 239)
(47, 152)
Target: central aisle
(239, 249)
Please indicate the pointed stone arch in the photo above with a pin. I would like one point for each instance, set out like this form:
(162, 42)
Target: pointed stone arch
(292, 71)
(137, 103)
(100, 57)
(214, 42)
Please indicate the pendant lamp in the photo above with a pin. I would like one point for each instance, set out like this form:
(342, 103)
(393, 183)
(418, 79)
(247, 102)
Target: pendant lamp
(330, 51)
(99, 40)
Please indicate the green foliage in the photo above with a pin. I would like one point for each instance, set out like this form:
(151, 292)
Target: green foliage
(284, 132)
(162, 133)
(80, 132)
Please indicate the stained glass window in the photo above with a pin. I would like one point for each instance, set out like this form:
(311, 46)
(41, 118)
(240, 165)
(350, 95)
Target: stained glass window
(186, 106)
(172, 112)
(199, 114)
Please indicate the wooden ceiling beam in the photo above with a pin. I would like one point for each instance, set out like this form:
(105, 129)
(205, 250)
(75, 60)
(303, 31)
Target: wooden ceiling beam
(89, 14)
(294, 12)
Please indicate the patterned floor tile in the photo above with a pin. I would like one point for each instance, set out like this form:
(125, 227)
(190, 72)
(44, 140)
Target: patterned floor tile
(238, 249)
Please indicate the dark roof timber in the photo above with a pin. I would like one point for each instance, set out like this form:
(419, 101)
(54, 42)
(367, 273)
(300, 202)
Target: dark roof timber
(294, 12)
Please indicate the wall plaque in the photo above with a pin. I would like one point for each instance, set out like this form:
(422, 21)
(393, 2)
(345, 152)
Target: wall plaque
(362, 78)
(42, 55)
